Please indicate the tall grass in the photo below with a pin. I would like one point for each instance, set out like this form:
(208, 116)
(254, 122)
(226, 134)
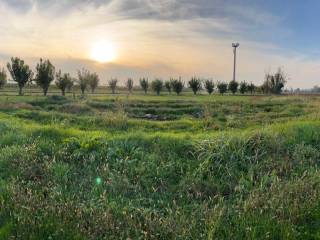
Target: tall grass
(104, 175)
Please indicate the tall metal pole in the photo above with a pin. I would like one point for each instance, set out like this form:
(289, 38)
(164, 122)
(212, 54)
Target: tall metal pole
(235, 45)
(234, 63)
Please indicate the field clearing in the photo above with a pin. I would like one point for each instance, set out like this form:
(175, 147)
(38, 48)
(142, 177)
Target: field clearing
(159, 167)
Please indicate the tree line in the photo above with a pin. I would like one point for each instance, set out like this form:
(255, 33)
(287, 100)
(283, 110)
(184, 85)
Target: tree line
(45, 75)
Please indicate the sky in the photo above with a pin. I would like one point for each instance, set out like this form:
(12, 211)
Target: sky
(167, 38)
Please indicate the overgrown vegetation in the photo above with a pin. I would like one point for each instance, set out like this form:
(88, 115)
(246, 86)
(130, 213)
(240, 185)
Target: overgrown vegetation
(211, 167)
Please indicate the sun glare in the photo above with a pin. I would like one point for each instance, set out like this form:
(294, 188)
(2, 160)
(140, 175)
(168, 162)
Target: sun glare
(103, 52)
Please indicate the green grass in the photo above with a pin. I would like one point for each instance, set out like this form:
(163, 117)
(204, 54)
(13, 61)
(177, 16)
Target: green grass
(208, 167)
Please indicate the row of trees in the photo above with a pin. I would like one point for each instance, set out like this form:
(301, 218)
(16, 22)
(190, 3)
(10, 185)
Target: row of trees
(45, 74)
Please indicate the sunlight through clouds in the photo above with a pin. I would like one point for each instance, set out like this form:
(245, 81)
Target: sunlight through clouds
(153, 38)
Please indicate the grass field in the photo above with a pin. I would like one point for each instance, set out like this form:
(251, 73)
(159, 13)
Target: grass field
(159, 167)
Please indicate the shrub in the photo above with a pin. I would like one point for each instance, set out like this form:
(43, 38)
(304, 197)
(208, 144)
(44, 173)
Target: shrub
(177, 85)
(3, 78)
(113, 85)
(222, 87)
(209, 86)
(195, 85)
(20, 73)
(233, 86)
(144, 83)
(157, 86)
(117, 119)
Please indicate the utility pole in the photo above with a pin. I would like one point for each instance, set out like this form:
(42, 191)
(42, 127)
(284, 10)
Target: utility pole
(235, 46)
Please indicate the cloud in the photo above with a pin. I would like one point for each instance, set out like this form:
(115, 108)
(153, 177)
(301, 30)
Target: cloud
(155, 38)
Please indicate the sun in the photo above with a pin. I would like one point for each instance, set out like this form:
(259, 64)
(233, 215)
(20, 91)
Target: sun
(103, 52)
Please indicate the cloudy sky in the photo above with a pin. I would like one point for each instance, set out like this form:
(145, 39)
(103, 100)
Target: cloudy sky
(163, 38)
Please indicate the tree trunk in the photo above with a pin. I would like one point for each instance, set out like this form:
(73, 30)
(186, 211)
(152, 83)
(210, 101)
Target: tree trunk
(20, 91)
(63, 92)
